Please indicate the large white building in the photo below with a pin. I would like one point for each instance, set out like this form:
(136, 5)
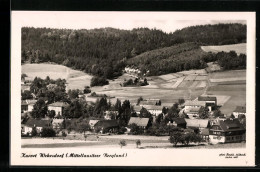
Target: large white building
(58, 107)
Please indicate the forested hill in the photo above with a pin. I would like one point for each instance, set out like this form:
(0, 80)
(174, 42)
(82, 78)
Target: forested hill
(220, 34)
(105, 52)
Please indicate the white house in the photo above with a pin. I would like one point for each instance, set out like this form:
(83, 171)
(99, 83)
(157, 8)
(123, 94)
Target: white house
(193, 104)
(240, 110)
(110, 115)
(27, 105)
(37, 123)
(210, 101)
(58, 107)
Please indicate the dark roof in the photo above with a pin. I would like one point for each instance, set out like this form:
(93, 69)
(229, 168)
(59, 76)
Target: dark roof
(207, 98)
(141, 122)
(241, 109)
(179, 120)
(107, 123)
(38, 123)
(231, 125)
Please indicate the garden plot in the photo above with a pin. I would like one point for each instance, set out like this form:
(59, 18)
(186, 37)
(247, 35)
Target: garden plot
(178, 82)
(190, 78)
(201, 78)
(168, 77)
(186, 84)
(201, 84)
(190, 72)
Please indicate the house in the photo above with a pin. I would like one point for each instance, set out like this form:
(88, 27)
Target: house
(110, 115)
(24, 106)
(240, 110)
(205, 134)
(39, 124)
(140, 122)
(58, 107)
(193, 104)
(27, 105)
(57, 123)
(210, 101)
(93, 122)
(194, 112)
(227, 131)
(178, 122)
(197, 123)
(153, 109)
(106, 126)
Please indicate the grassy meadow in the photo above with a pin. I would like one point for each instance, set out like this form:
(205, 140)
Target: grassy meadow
(239, 48)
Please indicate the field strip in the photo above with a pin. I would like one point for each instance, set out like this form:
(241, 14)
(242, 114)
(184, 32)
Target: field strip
(178, 82)
(228, 79)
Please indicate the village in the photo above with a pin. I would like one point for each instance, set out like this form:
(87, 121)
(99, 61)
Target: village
(187, 121)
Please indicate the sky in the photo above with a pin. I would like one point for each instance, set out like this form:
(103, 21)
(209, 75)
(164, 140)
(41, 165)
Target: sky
(165, 21)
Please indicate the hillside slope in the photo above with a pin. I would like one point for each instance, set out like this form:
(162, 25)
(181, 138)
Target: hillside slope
(170, 59)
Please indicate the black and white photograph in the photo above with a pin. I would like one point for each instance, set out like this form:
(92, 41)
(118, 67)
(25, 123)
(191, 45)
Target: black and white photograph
(132, 88)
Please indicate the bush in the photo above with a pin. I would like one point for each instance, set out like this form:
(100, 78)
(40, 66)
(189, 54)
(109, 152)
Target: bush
(122, 143)
(48, 132)
(98, 81)
(122, 130)
(138, 142)
(34, 132)
(64, 134)
(87, 90)
(176, 138)
(135, 130)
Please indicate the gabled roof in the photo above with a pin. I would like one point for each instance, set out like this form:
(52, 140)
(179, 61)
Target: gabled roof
(231, 125)
(194, 103)
(141, 122)
(207, 98)
(198, 123)
(93, 121)
(179, 120)
(38, 123)
(240, 109)
(59, 104)
(107, 123)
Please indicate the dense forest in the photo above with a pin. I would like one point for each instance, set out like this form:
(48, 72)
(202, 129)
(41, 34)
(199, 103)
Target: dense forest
(106, 51)
(219, 34)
